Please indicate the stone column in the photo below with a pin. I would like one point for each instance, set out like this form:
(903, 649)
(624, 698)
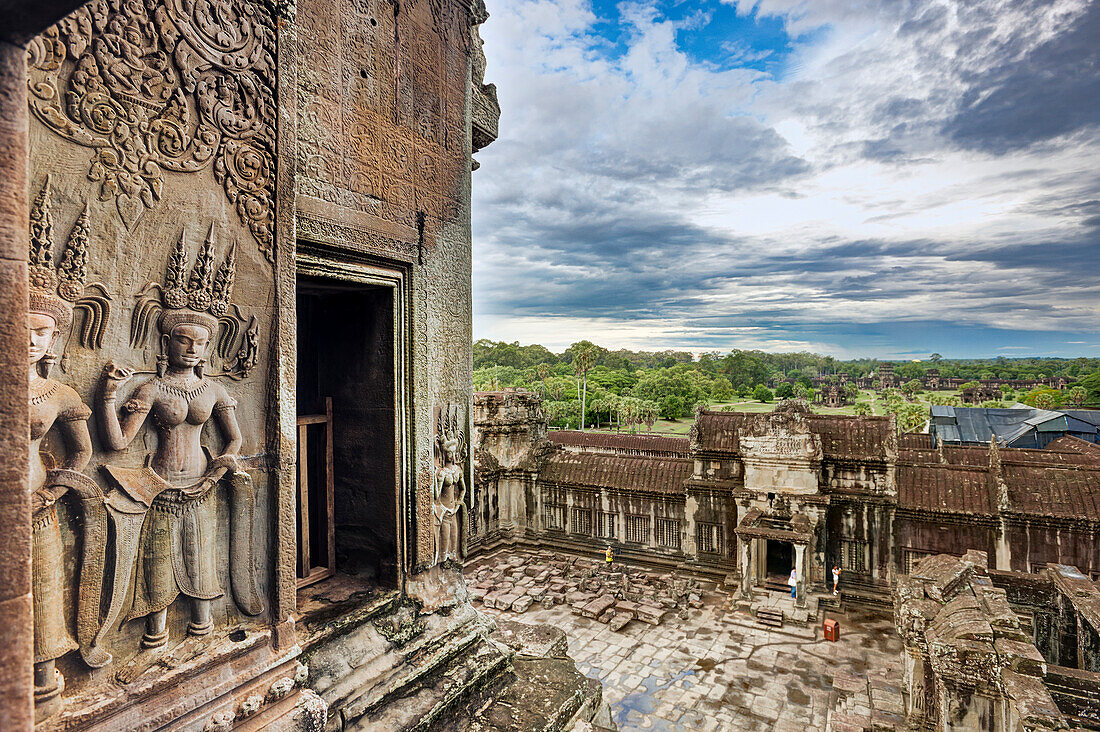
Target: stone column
(16, 629)
(800, 574)
(746, 568)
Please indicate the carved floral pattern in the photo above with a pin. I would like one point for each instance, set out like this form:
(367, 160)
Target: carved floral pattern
(176, 86)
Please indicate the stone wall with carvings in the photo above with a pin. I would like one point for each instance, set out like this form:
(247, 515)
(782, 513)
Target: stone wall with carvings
(185, 157)
(384, 171)
(153, 132)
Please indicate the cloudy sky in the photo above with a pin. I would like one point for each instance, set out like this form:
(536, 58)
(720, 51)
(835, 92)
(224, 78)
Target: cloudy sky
(876, 177)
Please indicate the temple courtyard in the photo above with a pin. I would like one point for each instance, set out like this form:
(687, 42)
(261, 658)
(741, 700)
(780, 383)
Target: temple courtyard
(698, 661)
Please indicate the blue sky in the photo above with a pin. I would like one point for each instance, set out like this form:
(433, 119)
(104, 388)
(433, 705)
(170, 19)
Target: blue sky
(884, 178)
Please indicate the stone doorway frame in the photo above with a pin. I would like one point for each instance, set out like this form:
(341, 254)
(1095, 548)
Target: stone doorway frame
(317, 260)
(766, 547)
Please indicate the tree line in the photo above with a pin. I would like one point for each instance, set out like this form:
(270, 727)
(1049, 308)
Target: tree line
(592, 385)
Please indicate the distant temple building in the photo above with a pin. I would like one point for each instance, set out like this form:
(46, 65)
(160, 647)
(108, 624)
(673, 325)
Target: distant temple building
(886, 378)
(979, 394)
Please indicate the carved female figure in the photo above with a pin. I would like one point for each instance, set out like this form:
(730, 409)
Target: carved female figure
(165, 512)
(57, 407)
(449, 488)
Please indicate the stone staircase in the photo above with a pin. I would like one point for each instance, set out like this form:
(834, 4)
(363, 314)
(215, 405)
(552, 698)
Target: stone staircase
(433, 691)
(518, 677)
(777, 584)
(854, 592)
(1077, 694)
(541, 690)
(769, 618)
(864, 702)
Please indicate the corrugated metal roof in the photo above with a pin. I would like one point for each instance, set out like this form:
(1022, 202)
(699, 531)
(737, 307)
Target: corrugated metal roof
(979, 424)
(1091, 416)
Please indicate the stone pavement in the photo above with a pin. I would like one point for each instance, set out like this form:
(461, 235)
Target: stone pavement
(712, 667)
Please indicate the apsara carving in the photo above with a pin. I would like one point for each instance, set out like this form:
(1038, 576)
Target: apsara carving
(55, 294)
(449, 485)
(174, 86)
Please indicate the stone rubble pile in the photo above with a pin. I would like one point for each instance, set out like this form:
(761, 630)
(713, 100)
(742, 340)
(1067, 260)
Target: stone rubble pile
(611, 595)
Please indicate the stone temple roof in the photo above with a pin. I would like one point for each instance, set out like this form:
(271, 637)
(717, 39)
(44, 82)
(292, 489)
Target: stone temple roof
(617, 472)
(842, 438)
(852, 438)
(1054, 483)
(620, 443)
(945, 488)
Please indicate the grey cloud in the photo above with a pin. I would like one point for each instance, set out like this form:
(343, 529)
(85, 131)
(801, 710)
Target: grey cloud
(1051, 91)
(582, 207)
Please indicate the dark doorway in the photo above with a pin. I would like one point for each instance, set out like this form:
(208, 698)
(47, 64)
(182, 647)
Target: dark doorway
(780, 560)
(346, 360)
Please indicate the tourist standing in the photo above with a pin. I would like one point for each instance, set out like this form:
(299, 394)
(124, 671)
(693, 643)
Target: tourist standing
(836, 579)
(793, 582)
(609, 556)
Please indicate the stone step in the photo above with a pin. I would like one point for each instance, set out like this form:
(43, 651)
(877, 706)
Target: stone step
(377, 708)
(435, 696)
(769, 618)
(543, 690)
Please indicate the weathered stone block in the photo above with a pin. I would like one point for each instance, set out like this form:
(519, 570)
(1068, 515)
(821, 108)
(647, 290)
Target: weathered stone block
(651, 614)
(619, 620)
(598, 606)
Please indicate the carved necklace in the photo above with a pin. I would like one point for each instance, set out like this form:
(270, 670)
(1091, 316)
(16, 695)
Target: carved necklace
(179, 391)
(43, 393)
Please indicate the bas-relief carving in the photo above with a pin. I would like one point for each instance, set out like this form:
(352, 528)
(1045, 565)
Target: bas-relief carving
(176, 86)
(164, 513)
(55, 294)
(449, 485)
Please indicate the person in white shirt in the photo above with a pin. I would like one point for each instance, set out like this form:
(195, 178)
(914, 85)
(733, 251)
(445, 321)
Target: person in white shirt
(793, 582)
(836, 579)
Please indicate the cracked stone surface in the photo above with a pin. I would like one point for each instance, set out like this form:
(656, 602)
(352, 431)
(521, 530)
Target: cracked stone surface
(713, 668)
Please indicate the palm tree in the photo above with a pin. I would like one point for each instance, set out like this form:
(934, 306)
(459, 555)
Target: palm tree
(582, 364)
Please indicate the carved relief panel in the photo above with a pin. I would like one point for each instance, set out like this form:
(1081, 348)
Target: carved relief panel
(449, 485)
(152, 143)
(386, 131)
(178, 86)
(56, 295)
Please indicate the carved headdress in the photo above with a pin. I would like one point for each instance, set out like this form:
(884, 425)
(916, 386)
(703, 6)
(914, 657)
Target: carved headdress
(449, 433)
(59, 291)
(201, 298)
